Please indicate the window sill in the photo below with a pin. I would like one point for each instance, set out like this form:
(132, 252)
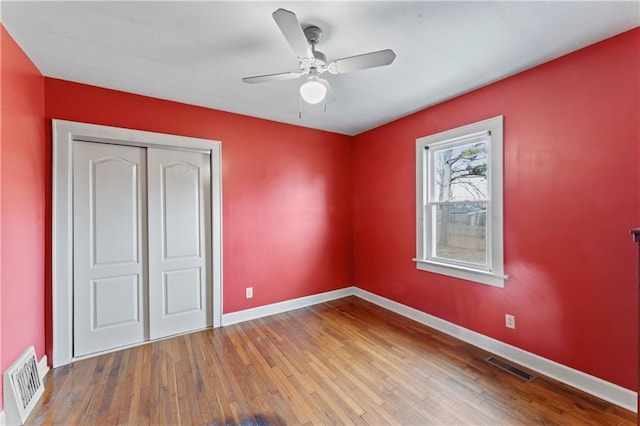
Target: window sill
(475, 275)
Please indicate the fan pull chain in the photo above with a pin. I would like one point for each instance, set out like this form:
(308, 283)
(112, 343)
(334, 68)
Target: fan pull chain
(301, 104)
(300, 107)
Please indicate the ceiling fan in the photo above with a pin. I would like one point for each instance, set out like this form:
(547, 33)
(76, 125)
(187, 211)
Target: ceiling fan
(314, 63)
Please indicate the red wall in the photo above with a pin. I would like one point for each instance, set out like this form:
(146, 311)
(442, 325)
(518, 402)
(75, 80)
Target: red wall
(572, 131)
(23, 166)
(286, 190)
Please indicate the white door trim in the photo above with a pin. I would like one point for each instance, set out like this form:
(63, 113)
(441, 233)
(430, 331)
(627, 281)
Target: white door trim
(64, 132)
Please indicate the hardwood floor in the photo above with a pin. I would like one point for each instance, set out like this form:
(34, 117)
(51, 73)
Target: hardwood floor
(342, 362)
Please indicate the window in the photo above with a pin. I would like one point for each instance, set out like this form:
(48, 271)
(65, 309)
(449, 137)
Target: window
(459, 203)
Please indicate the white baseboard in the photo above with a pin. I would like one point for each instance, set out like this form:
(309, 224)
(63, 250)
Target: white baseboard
(289, 305)
(2, 420)
(593, 385)
(43, 368)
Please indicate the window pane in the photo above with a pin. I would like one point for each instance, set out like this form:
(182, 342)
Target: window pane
(461, 232)
(460, 173)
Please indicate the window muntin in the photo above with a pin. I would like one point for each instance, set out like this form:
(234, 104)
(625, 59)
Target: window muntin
(459, 202)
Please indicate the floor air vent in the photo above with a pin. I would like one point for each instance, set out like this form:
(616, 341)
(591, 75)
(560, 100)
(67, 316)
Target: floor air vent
(22, 387)
(524, 375)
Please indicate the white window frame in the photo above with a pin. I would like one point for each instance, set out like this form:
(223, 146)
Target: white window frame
(492, 273)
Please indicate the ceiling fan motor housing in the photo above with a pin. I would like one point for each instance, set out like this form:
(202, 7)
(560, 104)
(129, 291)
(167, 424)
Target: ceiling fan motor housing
(319, 61)
(313, 34)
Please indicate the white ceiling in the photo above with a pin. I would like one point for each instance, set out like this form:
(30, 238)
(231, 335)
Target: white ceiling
(197, 52)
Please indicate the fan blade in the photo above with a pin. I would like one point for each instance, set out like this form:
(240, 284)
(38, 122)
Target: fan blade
(272, 77)
(360, 62)
(292, 31)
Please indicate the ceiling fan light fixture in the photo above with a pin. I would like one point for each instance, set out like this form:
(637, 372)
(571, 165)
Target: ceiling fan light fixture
(313, 91)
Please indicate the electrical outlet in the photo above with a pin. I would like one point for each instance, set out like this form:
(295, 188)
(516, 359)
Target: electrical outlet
(510, 320)
(248, 292)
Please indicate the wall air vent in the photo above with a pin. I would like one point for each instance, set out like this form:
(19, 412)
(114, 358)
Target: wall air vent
(524, 375)
(22, 387)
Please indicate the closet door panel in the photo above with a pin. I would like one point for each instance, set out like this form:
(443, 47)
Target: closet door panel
(179, 241)
(109, 243)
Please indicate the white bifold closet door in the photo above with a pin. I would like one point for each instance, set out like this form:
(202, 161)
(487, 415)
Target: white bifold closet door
(141, 244)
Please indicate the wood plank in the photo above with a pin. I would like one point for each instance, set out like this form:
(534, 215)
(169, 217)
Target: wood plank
(341, 362)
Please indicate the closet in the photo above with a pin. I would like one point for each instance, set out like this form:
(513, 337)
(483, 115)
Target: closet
(137, 237)
(140, 244)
